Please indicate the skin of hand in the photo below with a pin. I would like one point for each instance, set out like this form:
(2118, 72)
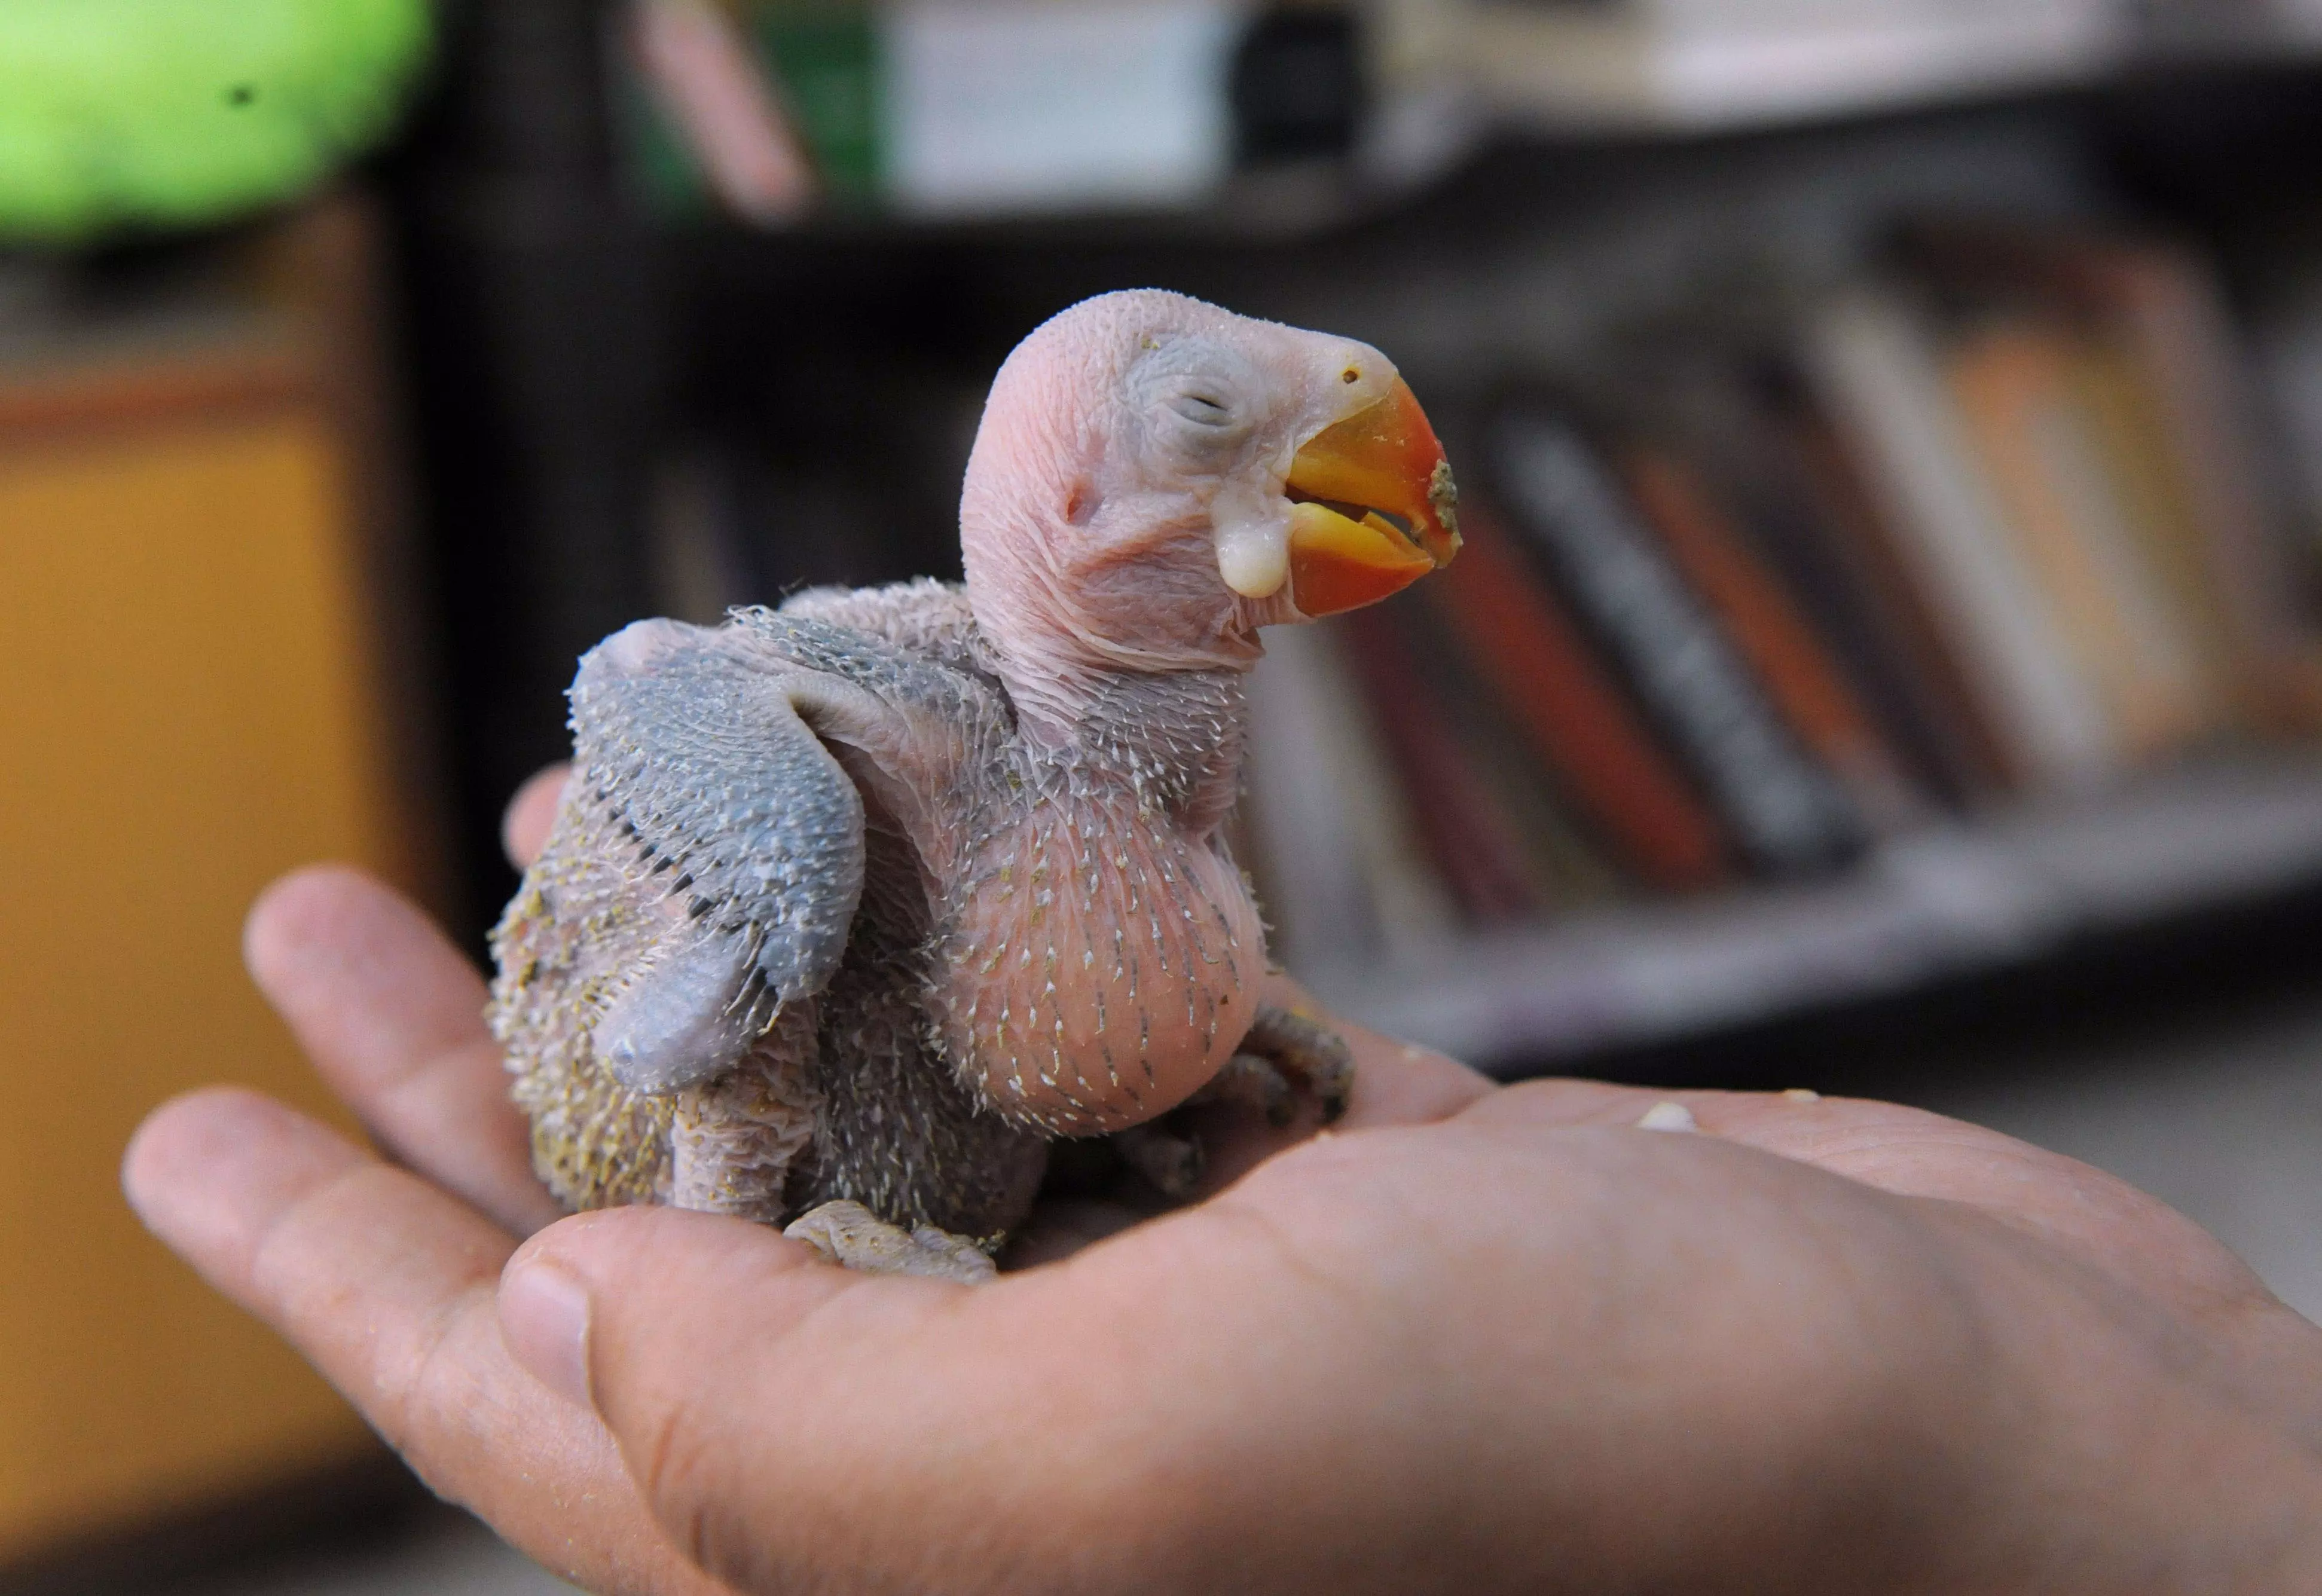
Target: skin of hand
(1478, 1339)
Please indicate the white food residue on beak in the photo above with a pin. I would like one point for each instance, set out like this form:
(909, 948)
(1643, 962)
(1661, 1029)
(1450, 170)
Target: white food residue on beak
(1253, 537)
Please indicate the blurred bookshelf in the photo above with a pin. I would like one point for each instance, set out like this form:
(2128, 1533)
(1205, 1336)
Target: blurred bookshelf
(1961, 424)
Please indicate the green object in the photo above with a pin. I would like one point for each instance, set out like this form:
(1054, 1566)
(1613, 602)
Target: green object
(827, 59)
(158, 113)
(658, 163)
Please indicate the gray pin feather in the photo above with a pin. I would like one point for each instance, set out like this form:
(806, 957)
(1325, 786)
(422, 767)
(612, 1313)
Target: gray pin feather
(743, 816)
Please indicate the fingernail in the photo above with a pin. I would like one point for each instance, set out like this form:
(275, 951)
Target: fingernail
(544, 1321)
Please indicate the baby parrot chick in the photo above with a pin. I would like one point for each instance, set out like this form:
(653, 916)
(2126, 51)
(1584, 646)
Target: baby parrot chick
(852, 905)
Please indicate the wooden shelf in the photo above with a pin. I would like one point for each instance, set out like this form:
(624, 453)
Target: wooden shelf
(195, 622)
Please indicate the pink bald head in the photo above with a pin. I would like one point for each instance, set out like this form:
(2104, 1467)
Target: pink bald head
(1121, 439)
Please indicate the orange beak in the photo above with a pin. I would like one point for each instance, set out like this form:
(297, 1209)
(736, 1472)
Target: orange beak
(1376, 509)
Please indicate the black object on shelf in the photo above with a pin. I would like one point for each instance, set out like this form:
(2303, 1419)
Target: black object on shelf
(537, 370)
(1297, 89)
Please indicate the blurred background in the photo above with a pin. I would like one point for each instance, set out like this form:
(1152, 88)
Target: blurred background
(1886, 659)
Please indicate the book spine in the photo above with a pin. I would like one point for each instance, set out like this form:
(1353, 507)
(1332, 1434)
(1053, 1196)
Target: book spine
(1743, 420)
(1899, 643)
(1801, 676)
(2125, 418)
(1785, 812)
(1522, 641)
(1472, 840)
(1878, 374)
(1338, 846)
(1567, 868)
(2182, 332)
(2014, 381)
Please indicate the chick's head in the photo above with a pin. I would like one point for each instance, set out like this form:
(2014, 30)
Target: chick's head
(1154, 479)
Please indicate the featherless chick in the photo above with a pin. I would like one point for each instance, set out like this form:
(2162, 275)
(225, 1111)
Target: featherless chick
(853, 906)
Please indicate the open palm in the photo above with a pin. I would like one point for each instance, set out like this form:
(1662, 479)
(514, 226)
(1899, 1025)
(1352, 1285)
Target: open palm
(1476, 1339)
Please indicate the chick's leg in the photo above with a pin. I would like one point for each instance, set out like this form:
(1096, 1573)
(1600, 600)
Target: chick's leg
(846, 1233)
(1283, 1052)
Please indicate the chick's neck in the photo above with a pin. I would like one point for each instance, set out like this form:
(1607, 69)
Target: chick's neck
(1172, 732)
(1176, 741)
(1069, 627)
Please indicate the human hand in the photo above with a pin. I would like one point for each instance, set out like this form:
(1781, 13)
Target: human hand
(1479, 1338)
(383, 1268)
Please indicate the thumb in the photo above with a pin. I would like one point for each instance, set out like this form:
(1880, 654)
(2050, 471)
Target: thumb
(657, 1320)
(569, 1298)
(780, 1417)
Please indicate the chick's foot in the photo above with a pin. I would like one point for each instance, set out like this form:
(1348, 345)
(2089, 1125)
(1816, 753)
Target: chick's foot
(848, 1234)
(1171, 1163)
(1283, 1052)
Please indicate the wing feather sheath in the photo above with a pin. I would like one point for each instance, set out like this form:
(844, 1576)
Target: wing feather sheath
(699, 753)
(707, 752)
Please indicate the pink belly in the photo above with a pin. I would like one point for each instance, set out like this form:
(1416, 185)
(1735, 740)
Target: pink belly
(1101, 976)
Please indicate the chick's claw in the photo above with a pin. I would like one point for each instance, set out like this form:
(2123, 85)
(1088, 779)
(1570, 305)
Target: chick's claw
(1300, 1051)
(1253, 1082)
(848, 1234)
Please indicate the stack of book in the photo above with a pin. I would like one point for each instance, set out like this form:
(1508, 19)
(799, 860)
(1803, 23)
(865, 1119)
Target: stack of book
(1988, 527)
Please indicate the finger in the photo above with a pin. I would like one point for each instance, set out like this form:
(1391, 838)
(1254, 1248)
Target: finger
(392, 1016)
(2080, 1210)
(572, 1308)
(523, 824)
(1916, 1153)
(387, 1286)
(790, 1421)
(1908, 1151)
